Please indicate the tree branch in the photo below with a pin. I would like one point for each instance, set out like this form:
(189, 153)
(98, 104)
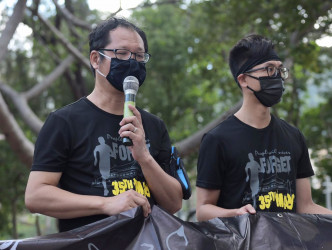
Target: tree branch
(20, 145)
(71, 18)
(20, 100)
(11, 26)
(48, 80)
(23, 108)
(192, 143)
(70, 47)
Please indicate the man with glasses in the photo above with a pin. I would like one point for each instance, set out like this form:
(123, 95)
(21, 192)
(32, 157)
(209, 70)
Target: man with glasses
(82, 172)
(254, 161)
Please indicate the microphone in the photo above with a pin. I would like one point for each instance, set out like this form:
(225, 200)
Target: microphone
(130, 88)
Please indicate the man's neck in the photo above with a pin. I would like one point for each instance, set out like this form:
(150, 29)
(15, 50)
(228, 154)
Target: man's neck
(107, 98)
(255, 116)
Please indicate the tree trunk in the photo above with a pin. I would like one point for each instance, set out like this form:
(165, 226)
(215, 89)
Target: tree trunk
(14, 219)
(20, 145)
(37, 225)
(11, 25)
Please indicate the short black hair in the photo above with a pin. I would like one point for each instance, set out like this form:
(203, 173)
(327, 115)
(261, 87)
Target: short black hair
(99, 36)
(251, 46)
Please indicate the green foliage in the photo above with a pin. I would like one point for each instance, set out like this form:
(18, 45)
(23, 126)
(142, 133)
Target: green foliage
(13, 178)
(317, 127)
(22, 69)
(169, 74)
(191, 79)
(188, 79)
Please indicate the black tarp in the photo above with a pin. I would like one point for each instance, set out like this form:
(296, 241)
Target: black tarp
(160, 230)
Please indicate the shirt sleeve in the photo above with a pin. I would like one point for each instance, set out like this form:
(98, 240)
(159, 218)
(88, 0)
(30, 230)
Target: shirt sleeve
(52, 146)
(159, 141)
(164, 155)
(210, 163)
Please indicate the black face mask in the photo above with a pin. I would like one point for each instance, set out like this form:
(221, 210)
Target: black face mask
(120, 69)
(271, 91)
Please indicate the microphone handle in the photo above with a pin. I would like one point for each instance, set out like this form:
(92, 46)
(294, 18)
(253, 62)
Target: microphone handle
(129, 99)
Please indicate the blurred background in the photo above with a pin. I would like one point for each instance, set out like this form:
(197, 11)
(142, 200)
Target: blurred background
(44, 65)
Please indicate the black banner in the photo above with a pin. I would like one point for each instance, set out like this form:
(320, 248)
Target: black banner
(160, 230)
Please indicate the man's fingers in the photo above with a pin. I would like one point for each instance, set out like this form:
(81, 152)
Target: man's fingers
(142, 201)
(250, 209)
(136, 113)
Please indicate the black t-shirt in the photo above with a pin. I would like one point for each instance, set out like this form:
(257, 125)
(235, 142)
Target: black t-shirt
(82, 141)
(254, 166)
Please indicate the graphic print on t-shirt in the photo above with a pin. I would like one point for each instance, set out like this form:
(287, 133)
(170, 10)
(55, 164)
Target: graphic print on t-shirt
(101, 155)
(118, 170)
(269, 182)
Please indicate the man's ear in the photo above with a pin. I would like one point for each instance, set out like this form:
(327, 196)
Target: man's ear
(94, 59)
(242, 80)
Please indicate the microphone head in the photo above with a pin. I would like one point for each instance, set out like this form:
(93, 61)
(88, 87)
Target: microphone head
(130, 83)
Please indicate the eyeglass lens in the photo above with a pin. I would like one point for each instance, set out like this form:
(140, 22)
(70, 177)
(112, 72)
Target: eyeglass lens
(273, 71)
(124, 54)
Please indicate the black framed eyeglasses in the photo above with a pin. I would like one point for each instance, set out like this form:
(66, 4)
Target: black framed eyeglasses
(124, 54)
(272, 71)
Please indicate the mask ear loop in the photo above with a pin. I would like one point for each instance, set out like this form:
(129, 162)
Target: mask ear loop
(251, 89)
(257, 78)
(107, 58)
(100, 73)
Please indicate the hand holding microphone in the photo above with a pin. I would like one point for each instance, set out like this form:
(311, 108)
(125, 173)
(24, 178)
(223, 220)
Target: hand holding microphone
(130, 88)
